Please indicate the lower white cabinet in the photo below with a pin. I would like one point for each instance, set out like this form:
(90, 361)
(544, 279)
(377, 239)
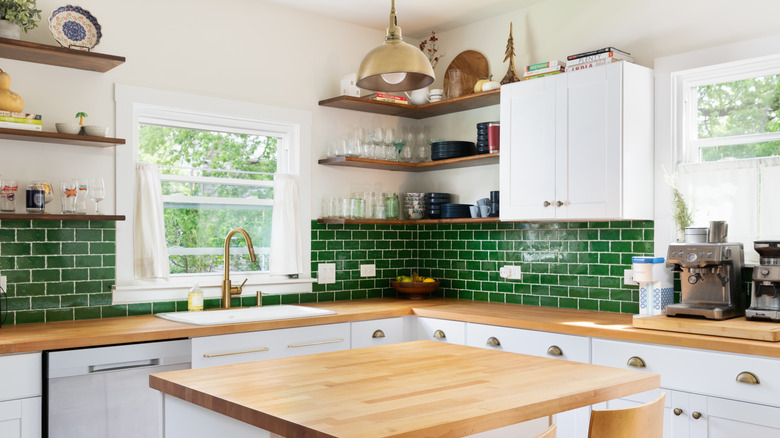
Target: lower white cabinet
(20, 395)
(441, 330)
(269, 344)
(709, 394)
(381, 331)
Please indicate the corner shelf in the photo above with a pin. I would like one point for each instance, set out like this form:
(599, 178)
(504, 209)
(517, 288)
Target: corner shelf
(463, 103)
(451, 163)
(60, 217)
(465, 220)
(55, 137)
(58, 56)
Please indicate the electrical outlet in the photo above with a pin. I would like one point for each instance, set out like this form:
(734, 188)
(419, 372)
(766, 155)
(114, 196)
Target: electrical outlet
(628, 277)
(368, 270)
(511, 272)
(3, 283)
(326, 273)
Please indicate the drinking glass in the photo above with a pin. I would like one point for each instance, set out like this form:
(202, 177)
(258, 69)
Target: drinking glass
(97, 191)
(389, 142)
(48, 190)
(8, 195)
(68, 196)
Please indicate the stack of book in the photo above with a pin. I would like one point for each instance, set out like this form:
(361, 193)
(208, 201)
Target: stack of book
(28, 122)
(385, 97)
(594, 58)
(543, 69)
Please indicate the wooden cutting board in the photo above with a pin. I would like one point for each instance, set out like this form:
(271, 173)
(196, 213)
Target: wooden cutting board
(473, 66)
(731, 328)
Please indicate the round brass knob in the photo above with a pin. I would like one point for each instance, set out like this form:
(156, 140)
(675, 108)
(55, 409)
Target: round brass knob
(547, 203)
(438, 334)
(677, 411)
(559, 203)
(493, 342)
(748, 378)
(636, 362)
(696, 415)
(378, 334)
(554, 350)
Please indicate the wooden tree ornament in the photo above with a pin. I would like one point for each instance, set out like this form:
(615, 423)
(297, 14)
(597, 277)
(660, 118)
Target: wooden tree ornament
(511, 73)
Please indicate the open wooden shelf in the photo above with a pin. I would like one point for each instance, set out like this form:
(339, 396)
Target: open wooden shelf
(465, 220)
(55, 137)
(463, 103)
(451, 163)
(60, 217)
(59, 56)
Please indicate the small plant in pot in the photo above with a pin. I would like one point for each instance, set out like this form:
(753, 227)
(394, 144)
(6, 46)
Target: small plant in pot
(16, 15)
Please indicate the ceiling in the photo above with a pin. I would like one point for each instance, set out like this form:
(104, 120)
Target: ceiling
(417, 18)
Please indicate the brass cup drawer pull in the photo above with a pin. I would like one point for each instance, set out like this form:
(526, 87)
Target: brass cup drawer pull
(696, 415)
(677, 411)
(378, 334)
(438, 334)
(636, 362)
(554, 350)
(493, 342)
(235, 352)
(310, 344)
(748, 378)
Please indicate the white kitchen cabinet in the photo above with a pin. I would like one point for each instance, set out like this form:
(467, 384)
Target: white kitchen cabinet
(381, 331)
(269, 344)
(20, 395)
(572, 423)
(578, 145)
(441, 330)
(707, 393)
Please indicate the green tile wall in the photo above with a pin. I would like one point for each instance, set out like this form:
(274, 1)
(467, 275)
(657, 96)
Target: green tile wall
(569, 264)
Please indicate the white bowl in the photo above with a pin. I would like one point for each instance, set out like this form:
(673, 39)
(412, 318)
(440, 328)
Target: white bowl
(68, 128)
(96, 130)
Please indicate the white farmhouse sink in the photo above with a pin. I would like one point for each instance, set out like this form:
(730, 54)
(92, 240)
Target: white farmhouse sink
(249, 314)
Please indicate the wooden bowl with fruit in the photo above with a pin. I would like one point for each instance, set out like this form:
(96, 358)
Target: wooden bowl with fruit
(414, 287)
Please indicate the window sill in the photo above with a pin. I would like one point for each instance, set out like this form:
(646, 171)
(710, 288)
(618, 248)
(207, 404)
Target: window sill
(176, 289)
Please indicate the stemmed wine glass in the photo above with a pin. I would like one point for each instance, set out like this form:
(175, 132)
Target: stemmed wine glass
(97, 191)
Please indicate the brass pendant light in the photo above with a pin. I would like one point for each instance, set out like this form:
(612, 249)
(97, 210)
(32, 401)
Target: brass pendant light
(395, 65)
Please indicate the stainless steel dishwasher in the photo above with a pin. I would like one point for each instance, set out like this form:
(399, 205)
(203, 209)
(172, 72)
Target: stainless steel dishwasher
(104, 391)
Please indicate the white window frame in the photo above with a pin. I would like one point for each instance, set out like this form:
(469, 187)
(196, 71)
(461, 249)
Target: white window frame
(668, 128)
(135, 105)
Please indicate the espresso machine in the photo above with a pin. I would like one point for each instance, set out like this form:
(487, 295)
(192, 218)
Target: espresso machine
(765, 297)
(710, 276)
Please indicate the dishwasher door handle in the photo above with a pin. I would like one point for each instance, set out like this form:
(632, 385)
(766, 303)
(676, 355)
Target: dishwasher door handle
(124, 365)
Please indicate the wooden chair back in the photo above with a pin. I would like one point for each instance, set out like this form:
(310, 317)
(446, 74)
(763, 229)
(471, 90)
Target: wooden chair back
(549, 433)
(646, 421)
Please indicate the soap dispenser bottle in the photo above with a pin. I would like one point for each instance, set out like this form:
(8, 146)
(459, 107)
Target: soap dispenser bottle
(195, 298)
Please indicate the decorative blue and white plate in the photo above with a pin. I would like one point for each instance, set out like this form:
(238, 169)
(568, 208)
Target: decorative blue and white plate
(74, 28)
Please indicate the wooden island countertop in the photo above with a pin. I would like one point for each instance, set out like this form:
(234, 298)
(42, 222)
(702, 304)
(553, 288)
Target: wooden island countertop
(97, 332)
(421, 388)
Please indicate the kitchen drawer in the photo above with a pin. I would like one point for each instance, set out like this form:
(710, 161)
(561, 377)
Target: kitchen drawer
(269, 344)
(377, 332)
(21, 375)
(697, 371)
(442, 330)
(532, 342)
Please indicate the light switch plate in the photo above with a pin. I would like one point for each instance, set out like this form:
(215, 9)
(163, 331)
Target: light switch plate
(368, 270)
(326, 273)
(3, 283)
(628, 277)
(511, 272)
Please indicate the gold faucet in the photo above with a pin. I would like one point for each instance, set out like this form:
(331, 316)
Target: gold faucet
(227, 289)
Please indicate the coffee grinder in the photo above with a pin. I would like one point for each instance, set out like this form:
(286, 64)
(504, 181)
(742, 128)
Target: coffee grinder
(710, 276)
(765, 297)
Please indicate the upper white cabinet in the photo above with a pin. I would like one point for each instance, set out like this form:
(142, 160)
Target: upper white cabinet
(578, 145)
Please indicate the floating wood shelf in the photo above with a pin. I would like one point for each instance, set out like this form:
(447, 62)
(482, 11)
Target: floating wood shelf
(55, 137)
(463, 103)
(59, 56)
(59, 217)
(451, 163)
(469, 220)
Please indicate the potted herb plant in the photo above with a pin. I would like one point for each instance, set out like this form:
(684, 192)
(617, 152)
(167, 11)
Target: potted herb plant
(17, 15)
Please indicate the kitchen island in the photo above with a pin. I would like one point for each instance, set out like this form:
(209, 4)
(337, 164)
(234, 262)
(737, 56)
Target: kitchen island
(420, 388)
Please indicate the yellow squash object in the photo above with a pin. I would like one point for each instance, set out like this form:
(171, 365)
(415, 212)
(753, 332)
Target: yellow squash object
(9, 101)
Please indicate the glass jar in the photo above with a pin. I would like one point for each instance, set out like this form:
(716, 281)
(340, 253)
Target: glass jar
(36, 198)
(391, 206)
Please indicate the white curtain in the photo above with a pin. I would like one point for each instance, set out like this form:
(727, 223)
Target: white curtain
(150, 249)
(286, 243)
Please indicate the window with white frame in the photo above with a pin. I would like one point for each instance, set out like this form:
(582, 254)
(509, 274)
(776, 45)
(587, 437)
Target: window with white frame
(217, 159)
(728, 163)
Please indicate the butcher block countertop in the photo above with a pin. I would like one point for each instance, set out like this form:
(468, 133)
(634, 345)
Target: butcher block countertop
(109, 331)
(421, 388)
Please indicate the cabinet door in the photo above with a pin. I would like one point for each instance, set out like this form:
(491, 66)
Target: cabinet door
(441, 330)
(21, 418)
(377, 332)
(728, 419)
(527, 163)
(589, 181)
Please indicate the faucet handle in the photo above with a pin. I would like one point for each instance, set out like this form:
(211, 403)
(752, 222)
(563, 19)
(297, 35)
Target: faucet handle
(236, 290)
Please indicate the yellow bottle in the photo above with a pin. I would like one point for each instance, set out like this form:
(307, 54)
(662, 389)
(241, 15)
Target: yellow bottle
(195, 298)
